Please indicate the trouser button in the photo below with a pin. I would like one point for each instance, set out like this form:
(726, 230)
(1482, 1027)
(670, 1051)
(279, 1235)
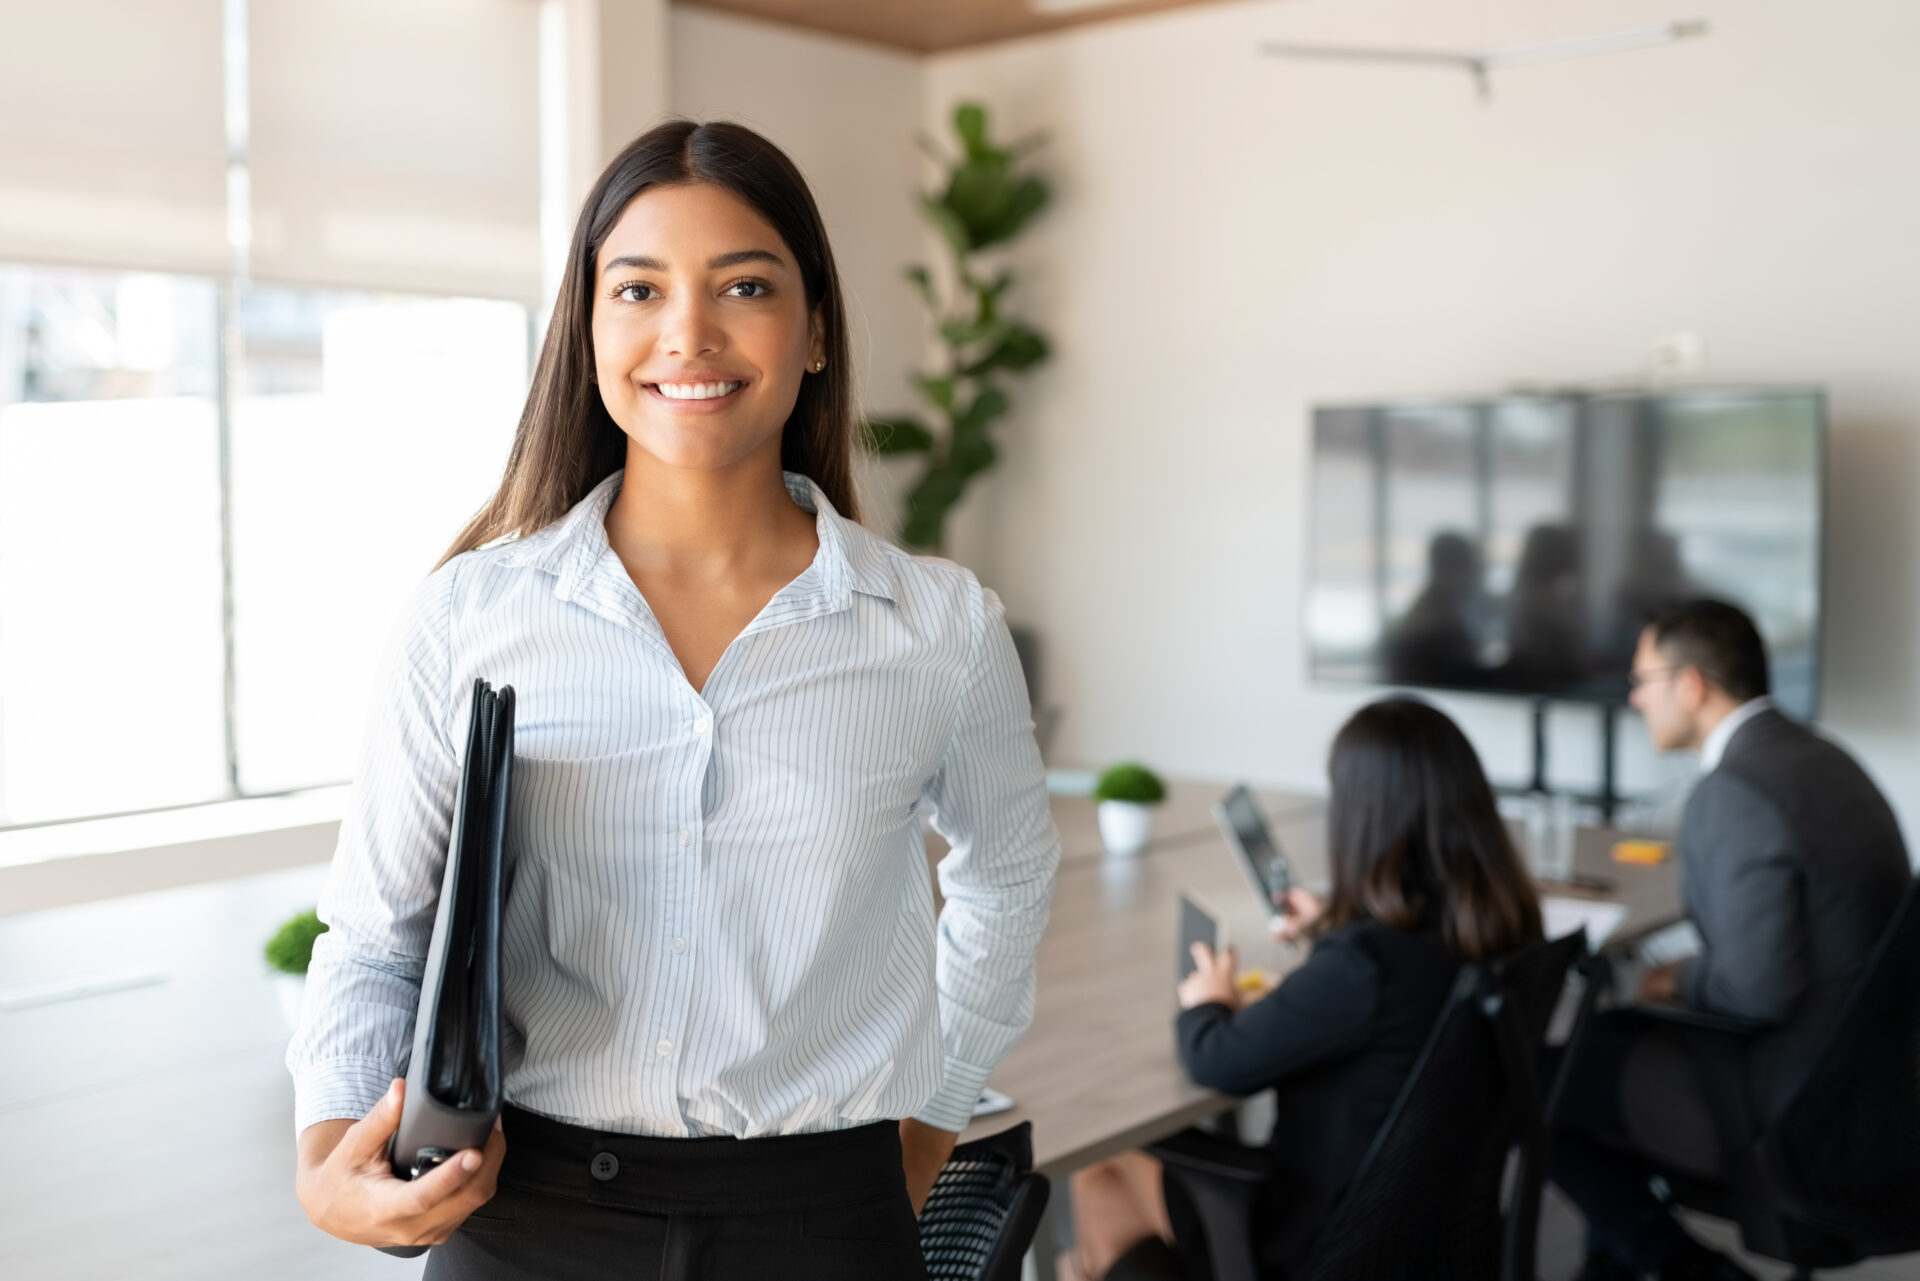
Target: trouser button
(605, 1166)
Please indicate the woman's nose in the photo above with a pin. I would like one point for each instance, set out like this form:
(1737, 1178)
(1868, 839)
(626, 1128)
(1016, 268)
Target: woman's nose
(691, 328)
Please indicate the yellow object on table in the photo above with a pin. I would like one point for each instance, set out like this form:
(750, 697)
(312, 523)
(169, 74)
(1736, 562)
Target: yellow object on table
(1645, 853)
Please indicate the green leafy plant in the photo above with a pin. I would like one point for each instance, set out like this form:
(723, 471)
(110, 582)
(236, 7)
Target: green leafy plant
(290, 950)
(1130, 781)
(987, 200)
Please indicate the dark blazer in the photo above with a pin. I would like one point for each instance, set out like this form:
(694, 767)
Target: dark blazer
(1792, 865)
(1338, 1038)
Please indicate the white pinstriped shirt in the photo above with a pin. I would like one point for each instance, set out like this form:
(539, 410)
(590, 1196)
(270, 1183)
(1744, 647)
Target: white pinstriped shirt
(719, 918)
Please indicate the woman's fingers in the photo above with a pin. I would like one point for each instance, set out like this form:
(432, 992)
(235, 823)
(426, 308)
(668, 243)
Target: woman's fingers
(444, 1196)
(426, 1195)
(365, 1141)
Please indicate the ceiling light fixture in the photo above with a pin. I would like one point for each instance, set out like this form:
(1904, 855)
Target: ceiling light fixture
(1480, 65)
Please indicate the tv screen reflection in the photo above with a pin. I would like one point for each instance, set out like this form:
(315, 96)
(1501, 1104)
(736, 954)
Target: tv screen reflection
(1517, 545)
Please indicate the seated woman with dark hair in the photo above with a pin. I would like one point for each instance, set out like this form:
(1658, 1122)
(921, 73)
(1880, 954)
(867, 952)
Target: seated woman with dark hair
(1424, 877)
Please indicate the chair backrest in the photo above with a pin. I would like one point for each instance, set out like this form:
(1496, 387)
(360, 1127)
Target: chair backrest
(1845, 1150)
(984, 1207)
(1425, 1201)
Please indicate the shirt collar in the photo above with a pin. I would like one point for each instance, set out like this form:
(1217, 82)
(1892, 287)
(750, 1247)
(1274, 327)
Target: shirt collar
(850, 559)
(1715, 747)
(853, 558)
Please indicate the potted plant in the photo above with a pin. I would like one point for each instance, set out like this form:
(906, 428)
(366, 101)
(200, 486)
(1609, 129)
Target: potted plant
(1126, 794)
(288, 953)
(986, 198)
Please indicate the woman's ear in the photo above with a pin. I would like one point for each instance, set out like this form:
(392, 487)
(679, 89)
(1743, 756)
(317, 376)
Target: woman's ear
(816, 341)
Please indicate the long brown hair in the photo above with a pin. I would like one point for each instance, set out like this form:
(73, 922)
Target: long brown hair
(1415, 839)
(567, 442)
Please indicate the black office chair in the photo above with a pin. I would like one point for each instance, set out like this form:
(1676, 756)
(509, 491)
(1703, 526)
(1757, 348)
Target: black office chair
(1835, 1178)
(980, 1217)
(1425, 1201)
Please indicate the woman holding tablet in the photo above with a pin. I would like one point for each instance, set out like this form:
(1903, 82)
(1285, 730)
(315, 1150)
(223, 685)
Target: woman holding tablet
(1424, 877)
(735, 1046)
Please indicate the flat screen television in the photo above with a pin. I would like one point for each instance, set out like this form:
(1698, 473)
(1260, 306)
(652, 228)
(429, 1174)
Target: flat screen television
(1515, 545)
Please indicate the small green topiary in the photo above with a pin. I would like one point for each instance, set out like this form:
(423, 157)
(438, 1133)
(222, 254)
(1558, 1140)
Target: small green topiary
(290, 950)
(1130, 781)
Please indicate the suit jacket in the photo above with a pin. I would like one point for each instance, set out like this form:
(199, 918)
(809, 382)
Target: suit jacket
(1791, 865)
(1338, 1038)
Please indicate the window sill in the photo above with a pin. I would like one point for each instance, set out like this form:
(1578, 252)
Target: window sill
(105, 858)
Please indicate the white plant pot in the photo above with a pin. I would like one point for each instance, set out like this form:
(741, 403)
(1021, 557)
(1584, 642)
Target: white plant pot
(1125, 827)
(290, 988)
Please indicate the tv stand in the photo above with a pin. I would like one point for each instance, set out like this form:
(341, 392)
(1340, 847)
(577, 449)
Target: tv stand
(1608, 798)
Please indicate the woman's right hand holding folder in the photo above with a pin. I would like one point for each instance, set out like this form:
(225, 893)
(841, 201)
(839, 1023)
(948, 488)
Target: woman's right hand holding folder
(348, 1189)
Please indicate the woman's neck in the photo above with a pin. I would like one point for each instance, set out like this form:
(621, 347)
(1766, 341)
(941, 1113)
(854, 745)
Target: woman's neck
(706, 524)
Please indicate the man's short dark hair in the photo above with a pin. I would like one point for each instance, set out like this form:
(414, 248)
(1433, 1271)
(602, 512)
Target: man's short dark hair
(1716, 639)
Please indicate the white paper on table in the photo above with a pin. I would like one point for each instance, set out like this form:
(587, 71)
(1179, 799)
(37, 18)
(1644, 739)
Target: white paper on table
(1676, 942)
(1562, 916)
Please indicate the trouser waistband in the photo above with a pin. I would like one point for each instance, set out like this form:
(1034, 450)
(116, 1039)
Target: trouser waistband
(770, 1175)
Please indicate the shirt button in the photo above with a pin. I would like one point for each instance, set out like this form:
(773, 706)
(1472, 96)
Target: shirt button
(702, 725)
(605, 1166)
(686, 836)
(678, 945)
(663, 1049)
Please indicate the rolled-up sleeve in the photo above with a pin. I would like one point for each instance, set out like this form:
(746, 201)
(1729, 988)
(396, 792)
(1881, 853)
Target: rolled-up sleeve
(989, 800)
(363, 987)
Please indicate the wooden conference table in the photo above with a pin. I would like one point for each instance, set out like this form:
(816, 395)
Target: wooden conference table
(1097, 1073)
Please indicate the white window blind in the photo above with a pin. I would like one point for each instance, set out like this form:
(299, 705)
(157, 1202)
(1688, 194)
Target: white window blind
(395, 144)
(112, 149)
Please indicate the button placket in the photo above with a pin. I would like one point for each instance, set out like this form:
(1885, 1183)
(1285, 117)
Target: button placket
(682, 867)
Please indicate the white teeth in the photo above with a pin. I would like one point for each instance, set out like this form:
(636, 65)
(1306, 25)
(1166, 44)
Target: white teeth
(696, 391)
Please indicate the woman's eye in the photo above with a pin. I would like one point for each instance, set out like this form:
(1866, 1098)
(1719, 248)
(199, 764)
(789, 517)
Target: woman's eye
(755, 288)
(633, 293)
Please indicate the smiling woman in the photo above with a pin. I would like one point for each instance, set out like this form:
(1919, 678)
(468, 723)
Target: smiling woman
(767, 259)
(738, 1042)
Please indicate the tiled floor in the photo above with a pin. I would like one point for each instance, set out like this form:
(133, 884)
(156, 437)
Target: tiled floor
(147, 1132)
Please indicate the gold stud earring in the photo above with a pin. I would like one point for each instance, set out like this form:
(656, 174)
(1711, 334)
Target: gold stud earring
(819, 365)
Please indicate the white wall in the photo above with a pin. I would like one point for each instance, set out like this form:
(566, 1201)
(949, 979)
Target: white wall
(846, 113)
(1237, 237)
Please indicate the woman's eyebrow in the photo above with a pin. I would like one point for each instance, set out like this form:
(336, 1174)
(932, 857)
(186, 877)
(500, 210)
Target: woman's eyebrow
(641, 262)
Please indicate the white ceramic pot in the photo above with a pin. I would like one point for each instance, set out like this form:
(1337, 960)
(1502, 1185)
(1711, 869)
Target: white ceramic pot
(1125, 827)
(290, 988)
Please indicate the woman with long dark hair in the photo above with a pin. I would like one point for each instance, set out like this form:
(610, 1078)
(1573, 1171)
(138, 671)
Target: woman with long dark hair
(734, 1045)
(1423, 878)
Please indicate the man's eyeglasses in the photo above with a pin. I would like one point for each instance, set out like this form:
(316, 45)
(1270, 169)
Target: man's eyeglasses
(1636, 679)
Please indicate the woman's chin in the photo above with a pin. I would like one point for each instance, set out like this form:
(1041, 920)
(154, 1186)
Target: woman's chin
(680, 449)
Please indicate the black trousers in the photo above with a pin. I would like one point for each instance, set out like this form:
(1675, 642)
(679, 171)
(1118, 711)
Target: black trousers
(1634, 1108)
(581, 1203)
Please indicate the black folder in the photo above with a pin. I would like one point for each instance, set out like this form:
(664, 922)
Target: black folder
(454, 1087)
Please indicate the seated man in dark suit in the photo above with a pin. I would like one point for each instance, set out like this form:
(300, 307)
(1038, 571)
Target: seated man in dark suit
(1792, 865)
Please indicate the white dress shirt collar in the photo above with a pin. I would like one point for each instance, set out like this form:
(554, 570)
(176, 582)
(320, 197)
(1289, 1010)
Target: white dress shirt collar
(1716, 745)
(850, 557)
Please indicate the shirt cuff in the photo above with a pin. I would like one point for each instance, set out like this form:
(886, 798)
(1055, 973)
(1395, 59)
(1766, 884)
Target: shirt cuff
(951, 1106)
(337, 1088)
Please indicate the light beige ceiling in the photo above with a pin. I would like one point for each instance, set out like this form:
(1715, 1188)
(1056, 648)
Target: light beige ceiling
(934, 26)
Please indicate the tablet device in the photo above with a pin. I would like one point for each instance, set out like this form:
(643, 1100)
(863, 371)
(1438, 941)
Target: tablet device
(1254, 848)
(1199, 923)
